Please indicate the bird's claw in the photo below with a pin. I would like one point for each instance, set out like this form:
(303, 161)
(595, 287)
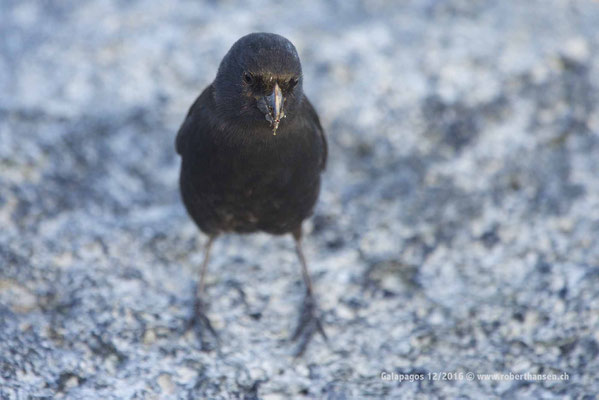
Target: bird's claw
(201, 324)
(309, 323)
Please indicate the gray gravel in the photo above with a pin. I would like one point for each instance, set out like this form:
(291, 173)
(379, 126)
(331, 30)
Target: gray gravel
(456, 231)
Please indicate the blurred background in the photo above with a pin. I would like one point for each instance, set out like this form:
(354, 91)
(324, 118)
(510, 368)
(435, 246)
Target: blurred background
(456, 230)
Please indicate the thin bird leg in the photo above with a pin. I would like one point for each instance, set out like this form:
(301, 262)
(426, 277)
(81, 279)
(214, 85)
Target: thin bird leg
(300, 255)
(308, 323)
(204, 267)
(199, 320)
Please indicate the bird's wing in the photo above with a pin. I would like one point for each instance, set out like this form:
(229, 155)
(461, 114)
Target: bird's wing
(189, 125)
(316, 121)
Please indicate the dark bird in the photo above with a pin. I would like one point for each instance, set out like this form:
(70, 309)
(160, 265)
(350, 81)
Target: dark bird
(252, 151)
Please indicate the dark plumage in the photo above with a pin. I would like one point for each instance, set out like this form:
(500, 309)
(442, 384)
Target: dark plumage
(252, 151)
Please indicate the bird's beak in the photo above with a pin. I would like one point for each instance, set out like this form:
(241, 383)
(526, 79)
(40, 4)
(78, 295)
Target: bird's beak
(275, 101)
(275, 105)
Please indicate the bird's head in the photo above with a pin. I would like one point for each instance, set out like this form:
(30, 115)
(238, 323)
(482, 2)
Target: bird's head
(259, 81)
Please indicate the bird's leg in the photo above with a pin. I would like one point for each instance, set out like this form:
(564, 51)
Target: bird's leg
(199, 321)
(309, 322)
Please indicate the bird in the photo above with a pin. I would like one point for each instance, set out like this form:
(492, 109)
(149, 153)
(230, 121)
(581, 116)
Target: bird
(252, 153)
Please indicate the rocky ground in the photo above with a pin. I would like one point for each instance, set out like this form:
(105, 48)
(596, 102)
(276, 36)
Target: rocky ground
(456, 232)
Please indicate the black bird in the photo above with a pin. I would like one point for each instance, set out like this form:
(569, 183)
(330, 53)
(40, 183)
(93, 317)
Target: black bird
(252, 151)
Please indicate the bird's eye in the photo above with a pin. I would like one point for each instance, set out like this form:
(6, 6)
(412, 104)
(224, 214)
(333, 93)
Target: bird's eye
(249, 79)
(292, 83)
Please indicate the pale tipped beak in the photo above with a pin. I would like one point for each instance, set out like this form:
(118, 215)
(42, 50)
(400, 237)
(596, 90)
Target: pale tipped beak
(275, 108)
(275, 101)
(272, 107)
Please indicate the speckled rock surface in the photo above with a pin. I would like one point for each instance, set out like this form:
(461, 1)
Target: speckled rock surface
(456, 232)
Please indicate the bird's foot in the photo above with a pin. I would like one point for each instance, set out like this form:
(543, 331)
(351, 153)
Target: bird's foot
(309, 323)
(202, 326)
